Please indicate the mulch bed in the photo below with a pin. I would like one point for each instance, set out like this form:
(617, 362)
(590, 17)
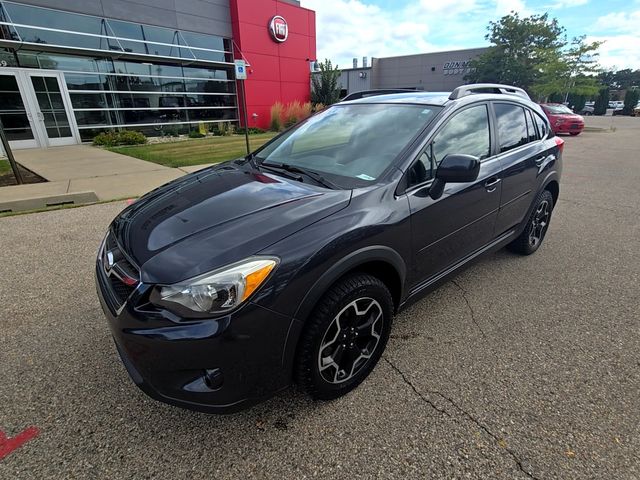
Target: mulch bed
(7, 178)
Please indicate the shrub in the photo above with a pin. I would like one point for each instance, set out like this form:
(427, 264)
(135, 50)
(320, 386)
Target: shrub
(196, 134)
(602, 102)
(105, 139)
(630, 101)
(131, 137)
(252, 130)
(125, 137)
(277, 111)
(318, 107)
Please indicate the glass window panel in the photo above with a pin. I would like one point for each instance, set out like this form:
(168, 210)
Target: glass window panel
(466, 133)
(52, 84)
(44, 17)
(45, 37)
(8, 83)
(79, 81)
(38, 84)
(10, 101)
(88, 100)
(126, 29)
(195, 72)
(49, 120)
(61, 119)
(203, 41)
(14, 120)
(512, 127)
(93, 118)
(19, 134)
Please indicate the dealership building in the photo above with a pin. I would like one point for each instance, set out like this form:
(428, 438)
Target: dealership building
(434, 72)
(70, 69)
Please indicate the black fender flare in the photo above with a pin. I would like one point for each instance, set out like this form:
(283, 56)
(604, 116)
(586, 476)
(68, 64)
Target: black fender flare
(350, 262)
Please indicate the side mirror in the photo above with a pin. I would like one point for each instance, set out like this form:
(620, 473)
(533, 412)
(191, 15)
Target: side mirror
(454, 168)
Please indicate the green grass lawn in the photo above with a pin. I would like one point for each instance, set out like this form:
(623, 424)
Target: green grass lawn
(195, 152)
(4, 166)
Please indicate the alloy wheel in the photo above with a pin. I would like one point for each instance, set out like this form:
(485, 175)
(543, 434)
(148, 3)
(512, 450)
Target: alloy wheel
(539, 223)
(350, 340)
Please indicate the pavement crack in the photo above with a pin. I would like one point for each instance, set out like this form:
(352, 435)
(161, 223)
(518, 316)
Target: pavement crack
(406, 380)
(471, 311)
(486, 430)
(467, 415)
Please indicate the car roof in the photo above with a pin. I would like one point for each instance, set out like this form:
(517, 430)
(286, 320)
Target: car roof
(422, 98)
(431, 98)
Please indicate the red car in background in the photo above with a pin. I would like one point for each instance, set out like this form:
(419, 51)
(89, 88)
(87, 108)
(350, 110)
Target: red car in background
(562, 119)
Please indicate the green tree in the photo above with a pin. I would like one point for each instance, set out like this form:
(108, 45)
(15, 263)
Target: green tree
(630, 101)
(533, 53)
(602, 102)
(521, 49)
(325, 86)
(570, 71)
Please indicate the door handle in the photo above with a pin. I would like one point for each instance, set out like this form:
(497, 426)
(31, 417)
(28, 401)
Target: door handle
(40, 116)
(540, 159)
(492, 184)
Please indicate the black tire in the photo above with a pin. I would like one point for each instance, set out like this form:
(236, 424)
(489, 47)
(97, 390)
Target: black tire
(573, 134)
(524, 245)
(345, 297)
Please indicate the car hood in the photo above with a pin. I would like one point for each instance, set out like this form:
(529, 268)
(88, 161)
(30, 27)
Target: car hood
(217, 216)
(567, 116)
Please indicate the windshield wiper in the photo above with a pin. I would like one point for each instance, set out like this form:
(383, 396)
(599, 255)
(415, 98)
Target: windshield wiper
(279, 171)
(309, 173)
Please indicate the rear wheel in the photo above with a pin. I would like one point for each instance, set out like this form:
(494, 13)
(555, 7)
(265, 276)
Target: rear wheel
(533, 235)
(344, 337)
(573, 134)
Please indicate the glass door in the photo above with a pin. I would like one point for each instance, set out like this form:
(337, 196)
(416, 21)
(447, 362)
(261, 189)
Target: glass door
(51, 104)
(16, 116)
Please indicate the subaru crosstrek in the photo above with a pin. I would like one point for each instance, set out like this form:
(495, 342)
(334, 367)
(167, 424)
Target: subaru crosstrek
(229, 284)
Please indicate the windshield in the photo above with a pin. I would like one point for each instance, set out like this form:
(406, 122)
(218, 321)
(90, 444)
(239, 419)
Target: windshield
(351, 144)
(558, 109)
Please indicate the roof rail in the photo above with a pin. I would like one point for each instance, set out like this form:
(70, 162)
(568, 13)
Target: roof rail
(373, 93)
(488, 88)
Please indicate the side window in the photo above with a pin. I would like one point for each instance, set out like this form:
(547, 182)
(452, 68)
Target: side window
(531, 127)
(466, 133)
(542, 126)
(512, 126)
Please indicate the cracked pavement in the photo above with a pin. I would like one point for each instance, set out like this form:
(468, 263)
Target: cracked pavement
(517, 368)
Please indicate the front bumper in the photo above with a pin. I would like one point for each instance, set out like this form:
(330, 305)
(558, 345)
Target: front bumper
(569, 127)
(172, 360)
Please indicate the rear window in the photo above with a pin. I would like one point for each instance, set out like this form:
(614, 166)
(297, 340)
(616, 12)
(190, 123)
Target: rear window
(512, 126)
(559, 109)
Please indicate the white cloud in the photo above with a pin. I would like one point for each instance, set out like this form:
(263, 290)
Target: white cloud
(619, 21)
(619, 51)
(355, 28)
(569, 3)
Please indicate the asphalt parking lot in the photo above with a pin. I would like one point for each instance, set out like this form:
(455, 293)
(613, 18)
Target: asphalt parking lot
(518, 368)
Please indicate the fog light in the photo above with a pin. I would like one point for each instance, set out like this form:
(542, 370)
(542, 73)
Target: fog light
(213, 378)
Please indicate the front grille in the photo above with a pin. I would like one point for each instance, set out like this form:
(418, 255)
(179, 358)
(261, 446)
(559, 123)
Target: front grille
(120, 274)
(121, 290)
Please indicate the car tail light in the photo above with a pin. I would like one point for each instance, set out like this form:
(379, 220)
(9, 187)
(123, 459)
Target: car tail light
(559, 143)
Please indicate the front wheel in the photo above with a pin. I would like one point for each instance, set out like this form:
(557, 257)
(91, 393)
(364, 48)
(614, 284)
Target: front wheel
(344, 338)
(573, 134)
(532, 236)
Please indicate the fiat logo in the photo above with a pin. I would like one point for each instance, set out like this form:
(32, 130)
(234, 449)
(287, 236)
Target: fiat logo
(279, 29)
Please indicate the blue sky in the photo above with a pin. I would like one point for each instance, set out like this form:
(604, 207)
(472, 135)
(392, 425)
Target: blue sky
(382, 28)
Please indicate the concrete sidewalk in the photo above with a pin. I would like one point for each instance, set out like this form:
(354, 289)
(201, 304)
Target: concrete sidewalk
(84, 174)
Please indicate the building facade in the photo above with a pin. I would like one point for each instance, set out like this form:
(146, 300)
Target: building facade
(435, 72)
(70, 69)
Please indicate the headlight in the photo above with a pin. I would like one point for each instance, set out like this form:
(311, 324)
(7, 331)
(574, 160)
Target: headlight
(218, 291)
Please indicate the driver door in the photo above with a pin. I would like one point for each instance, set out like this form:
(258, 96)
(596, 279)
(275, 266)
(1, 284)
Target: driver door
(462, 220)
